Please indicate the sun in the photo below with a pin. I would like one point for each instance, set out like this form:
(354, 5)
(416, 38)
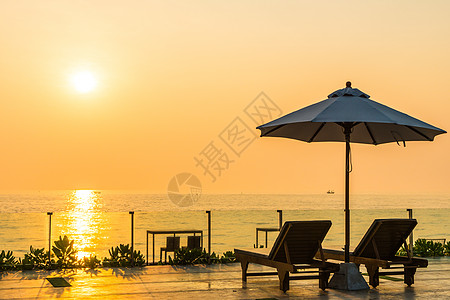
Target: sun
(83, 81)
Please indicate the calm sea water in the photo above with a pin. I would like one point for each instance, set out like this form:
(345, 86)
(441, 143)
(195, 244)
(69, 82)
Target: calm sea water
(99, 220)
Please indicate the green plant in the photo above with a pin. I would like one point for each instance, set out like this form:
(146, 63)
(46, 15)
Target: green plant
(124, 255)
(447, 248)
(138, 258)
(425, 248)
(65, 253)
(402, 251)
(187, 256)
(214, 259)
(421, 247)
(228, 257)
(114, 258)
(120, 256)
(436, 249)
(91, 262)
(7, 260)
(36, 258)
(25, 264)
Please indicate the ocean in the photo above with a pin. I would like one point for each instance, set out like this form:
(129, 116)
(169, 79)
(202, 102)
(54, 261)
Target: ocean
(99, 220)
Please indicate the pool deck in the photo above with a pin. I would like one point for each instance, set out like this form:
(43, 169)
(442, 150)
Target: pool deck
(208, 282)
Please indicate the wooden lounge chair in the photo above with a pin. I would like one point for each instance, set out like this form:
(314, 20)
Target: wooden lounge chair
(378, 248)
(293, 251)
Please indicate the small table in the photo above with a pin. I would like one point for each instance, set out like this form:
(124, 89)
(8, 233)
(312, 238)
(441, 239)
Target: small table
(167, 232)
(266, 230)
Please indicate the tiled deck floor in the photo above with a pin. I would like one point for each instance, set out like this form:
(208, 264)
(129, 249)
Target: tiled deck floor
(209, 282)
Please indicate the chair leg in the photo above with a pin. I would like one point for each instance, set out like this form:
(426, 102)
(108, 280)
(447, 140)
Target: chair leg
(374, 275)
(324, 275)
(409, 275)
(283, 275)
(244, 266)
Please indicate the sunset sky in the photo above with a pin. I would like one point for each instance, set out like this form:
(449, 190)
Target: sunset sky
(163, 79)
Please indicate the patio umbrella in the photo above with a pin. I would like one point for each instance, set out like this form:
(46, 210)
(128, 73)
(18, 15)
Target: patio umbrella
(348, 115)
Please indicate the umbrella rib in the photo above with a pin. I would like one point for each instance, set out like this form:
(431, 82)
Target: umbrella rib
(419, 133)
(273, 129)
(370, 133)
(317, 132)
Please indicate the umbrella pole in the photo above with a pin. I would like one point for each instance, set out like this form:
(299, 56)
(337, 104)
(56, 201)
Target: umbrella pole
(347, 194)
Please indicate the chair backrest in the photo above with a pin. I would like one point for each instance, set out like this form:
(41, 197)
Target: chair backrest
(387, 235)
(194, 242)
(302, 240)
(172, 243)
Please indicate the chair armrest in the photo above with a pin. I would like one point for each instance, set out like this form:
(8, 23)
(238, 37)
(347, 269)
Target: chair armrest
(415, 261)
(340, 256)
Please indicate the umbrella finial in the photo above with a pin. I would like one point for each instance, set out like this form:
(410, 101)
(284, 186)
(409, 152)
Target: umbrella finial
(348, 91)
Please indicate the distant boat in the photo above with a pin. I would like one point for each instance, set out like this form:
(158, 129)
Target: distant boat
(330, 192)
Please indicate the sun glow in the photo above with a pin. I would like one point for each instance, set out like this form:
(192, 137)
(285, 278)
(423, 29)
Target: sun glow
(83, 81)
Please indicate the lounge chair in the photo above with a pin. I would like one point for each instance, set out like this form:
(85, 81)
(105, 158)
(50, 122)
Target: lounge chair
(378, 248)
(293, 251)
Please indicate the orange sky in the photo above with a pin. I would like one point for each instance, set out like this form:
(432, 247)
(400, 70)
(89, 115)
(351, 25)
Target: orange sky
(172, 75)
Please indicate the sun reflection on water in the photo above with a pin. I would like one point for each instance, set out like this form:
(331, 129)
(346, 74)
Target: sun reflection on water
(84, 221)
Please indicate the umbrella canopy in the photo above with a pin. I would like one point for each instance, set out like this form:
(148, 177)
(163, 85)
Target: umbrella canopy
(370, 122)
(348, 115)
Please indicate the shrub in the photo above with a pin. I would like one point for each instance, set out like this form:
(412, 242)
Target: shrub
(7, 260)
(186, 256)
(436, 249)
(139, 259)
(65, 253)
(91, 262)
(425, 248)
(120, 256)
(228, 257)
(402, 251)
(447, 248)
(421, 247)
(36, 258)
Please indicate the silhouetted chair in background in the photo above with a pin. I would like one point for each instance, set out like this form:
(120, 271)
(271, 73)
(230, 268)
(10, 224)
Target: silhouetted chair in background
(194, 242)
(293, 251)
(378, 249)
(172, 244)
